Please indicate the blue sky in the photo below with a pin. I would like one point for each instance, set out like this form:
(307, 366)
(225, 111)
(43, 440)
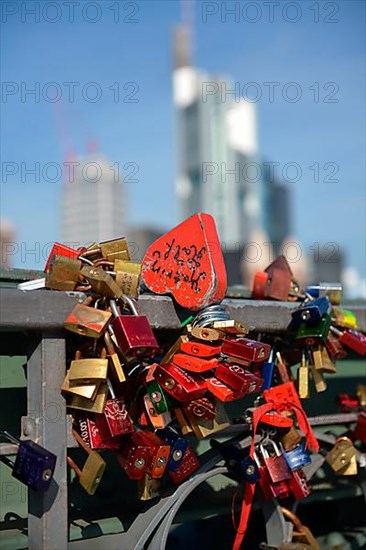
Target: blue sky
(325, 45)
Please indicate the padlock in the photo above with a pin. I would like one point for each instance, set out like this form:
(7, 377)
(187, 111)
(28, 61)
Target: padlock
(334, 347)
(178, 446)
(267, 370)
(168, 357)
(352, 339)
(250, 469)
(344, 318)
(311, 312)
(34, 465)
(181, 385)
(249, 350)
(297, 458)
(239, 379)
(318, 379)
(361, 394)
(203, 408)
(282, 369)
(206, 334)
(87, 321)
(135, 456)
(158, 420)
(299, 485)
(276, 464)
(290, 439)
(184, 425)
(87, 390)
(303, 378)
(95, 405)
(133, 333)
(322, 360)
(59, 249)
(127, 276)
(88, 370)
(231, 327)
(148, 488)
(101, 281)
(280, 277)
(63, 273)
(92, 472)
(115, 420)
(342, 456)
(114, 359)
(194, 364)
(259, 287)
(313, 334)
(203, 427)
(276, 420)
(332, 290)
(302, 533)
(90, 433)
(159, 399)
(360, 429)
(198, 349)
(264, 480)
(221, 391)
(188, 465)
(115, 249)
(159, 454)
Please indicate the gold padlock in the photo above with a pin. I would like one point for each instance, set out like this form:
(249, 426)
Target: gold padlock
(173, 350)
(290, 439)
(148, 488)
(206, 334)
(322, 360)
(92, 472)
(87, 321)
(95, 405)
(115, 249)
(318, 379)
(113, 356)
(302, 534)
(361, 394)
(303, 378)
(88, 391)
(88, 370)
(63, 273)
(342, 457)
(128, 277)
(231, 327)
(203, 428)
(101, 281)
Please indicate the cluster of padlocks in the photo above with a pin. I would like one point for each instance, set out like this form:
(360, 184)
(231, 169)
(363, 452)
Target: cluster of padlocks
(145, 399)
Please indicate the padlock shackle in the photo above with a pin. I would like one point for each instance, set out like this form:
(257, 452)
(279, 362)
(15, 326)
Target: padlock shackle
(110, 388)
(114, 308)
(127, 300)
(293, 518)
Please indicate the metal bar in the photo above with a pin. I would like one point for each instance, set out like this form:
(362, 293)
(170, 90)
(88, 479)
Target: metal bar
(7, 449)
(46, 424)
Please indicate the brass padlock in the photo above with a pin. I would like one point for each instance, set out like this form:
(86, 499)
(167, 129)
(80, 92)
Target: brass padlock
(113, 356)
(290, 439)
(342, 457)
(115, 249)
(322, 359)
(206, 334)
(230, 326)
(92, 472)
(148, 488)
(101, 281)
(203, 428)
(87, 321)
(95, 405)
(128, 277)
(303, 378)
(63, 273)
(302, 534)
(88, 390)
(89, 369)
(318, 379)
(361, 394)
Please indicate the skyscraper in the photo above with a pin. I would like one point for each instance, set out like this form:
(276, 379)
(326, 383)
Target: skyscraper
(93, 201)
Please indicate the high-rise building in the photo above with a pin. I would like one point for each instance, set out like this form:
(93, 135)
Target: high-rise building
(93, 202)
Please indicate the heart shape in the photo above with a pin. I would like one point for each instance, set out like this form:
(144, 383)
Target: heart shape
(187, 262)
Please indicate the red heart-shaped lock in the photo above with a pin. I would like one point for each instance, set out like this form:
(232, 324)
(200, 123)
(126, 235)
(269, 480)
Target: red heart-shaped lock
(187, 262)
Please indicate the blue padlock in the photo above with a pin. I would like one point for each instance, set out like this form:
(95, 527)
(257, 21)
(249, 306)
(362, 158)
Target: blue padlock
(297, 457)
(178, 446)
(34, 465)
(311, 312)
(250, 469)
(267, 370)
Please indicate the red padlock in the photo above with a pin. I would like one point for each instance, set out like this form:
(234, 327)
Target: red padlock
(298, 485)
(160, 452)
(181, 385)
(188, 466)
(115, 420)
(334, 347)
(221, 391)
(360, 429)
(240, 380)
(202, 408)
(135, 456)
(60, 249)
(133, 333)
(199, 350)
(249, 350)
(194, 364)
(353, 339)
(90, 433)
(276, 464)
